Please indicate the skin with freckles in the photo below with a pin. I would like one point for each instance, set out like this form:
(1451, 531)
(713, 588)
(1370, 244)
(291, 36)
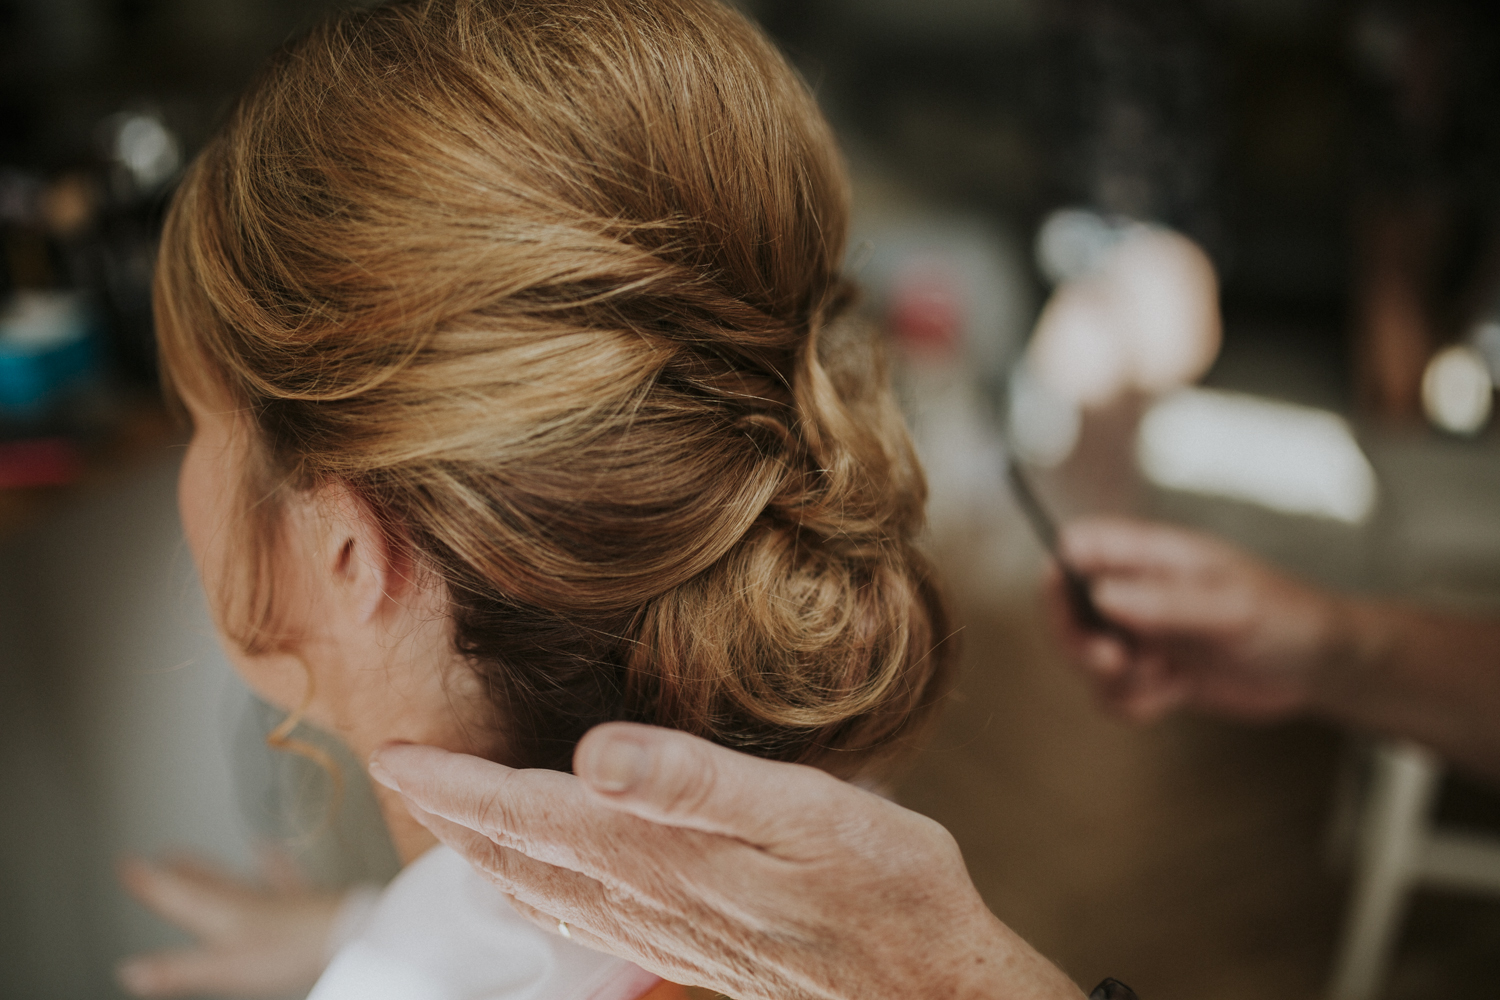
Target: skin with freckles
(758, 879)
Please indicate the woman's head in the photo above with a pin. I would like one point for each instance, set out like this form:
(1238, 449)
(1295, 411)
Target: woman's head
(541, 293)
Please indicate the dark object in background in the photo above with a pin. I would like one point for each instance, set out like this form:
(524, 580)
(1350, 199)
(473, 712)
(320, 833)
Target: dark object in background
(1077, 585)
(90, 230)
(39, 462)
(1426, 209)
(1112, 989)
(100, 106)
(1131, 99)
(75, 292)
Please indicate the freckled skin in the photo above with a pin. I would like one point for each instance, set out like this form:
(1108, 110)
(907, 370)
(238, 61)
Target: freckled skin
(758, 879)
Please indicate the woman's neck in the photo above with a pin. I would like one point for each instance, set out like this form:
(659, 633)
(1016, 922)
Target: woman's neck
(411, 839)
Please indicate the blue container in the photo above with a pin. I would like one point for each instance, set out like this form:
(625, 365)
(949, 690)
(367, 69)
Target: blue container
(47, 346)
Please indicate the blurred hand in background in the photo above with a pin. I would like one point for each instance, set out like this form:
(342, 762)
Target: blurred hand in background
(1210, 627)
(254, 939)
(1205, 626)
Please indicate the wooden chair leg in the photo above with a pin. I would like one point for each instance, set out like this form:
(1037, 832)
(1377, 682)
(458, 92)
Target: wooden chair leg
(1394, 829)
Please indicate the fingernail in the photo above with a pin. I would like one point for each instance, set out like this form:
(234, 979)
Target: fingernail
(380, 774)
(617, 766)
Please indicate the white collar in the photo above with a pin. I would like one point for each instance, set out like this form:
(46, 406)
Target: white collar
(441, 931)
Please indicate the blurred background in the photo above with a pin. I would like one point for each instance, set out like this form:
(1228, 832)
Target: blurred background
(1230, 263)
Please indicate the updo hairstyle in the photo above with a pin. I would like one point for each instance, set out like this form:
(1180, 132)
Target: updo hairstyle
(552, 286)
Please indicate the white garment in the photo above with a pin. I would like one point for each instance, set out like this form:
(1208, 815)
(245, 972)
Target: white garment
(440, 931)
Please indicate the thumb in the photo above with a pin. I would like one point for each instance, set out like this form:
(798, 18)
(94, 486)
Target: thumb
(676, 779)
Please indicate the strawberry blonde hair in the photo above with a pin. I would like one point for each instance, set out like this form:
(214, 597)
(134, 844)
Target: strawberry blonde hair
(554, 286)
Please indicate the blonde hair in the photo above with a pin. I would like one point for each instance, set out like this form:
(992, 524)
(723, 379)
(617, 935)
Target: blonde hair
(552, 285)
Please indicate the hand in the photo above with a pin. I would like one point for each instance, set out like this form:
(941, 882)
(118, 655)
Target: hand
(253, 940)
(762, 880)
(1209, 627)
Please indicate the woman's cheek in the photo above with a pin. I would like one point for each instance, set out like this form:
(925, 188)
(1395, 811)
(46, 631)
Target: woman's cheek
(279, 680)
(206, 503)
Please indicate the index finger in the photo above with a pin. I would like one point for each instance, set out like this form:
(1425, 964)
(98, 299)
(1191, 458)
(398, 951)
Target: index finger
(194, 901)
(537, 812)
(546, 816)
(1124, 545)
(670, 779)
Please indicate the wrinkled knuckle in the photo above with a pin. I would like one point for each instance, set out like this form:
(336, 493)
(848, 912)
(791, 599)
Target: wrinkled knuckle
(492, 813)
(506, 865)
(501, 866)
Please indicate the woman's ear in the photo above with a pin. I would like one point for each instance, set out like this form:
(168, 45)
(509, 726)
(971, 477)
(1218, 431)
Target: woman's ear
(357, 561)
